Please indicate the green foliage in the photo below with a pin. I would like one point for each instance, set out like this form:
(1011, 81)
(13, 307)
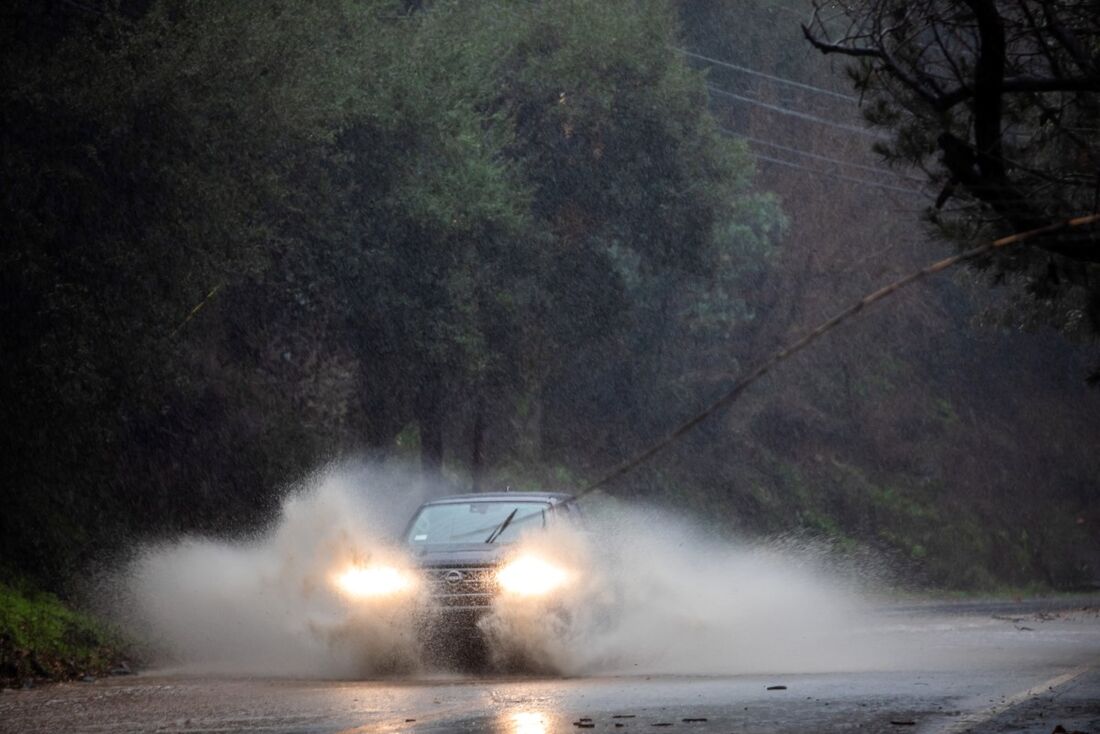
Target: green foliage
(42, 638)
(244, 239)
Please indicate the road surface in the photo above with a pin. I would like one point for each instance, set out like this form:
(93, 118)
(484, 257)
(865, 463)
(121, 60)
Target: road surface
(1005, 667)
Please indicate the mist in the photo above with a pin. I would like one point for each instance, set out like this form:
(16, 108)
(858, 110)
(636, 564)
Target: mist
(268, 603)
(656, 594)
(648, 592)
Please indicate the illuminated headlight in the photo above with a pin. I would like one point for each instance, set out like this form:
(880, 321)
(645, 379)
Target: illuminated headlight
(531, 576)
(362, 582)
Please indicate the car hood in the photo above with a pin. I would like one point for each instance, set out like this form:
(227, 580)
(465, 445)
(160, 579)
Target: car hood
(452, 554)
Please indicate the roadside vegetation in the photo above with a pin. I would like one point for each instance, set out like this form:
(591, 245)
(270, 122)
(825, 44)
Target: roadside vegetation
(42, 638)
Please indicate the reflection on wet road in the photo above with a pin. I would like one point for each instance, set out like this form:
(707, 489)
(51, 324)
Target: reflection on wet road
(980, 670)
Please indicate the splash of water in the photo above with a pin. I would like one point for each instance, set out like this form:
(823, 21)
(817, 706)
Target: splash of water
(652, 593)
(270, 605)
(646, 593)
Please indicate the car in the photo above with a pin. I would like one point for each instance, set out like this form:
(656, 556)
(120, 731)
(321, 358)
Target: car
(461, 545)
(457, 557)
(464, 549)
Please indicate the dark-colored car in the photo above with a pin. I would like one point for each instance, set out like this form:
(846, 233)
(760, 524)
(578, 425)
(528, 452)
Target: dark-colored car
(461, 543)
(464, 548)
(464, 554)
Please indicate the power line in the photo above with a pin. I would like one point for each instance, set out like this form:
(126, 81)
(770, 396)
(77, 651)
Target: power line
(799, 115)
(772, 77)
(837, 176)
(808, 154)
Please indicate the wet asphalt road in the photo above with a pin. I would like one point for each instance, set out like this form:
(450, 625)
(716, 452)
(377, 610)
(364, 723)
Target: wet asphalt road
(992, 668)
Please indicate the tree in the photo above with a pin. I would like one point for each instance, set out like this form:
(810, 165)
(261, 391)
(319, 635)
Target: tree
(245, 238)
(998, 101)
(188, 158)
(648, 220)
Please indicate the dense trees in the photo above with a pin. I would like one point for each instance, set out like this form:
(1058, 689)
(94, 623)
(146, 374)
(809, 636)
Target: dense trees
(242, 239)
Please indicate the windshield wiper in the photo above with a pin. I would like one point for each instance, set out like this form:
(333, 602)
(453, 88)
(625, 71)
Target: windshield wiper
(502, 527)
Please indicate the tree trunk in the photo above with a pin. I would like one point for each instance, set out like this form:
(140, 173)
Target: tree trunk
(429, 417)
(477, 454)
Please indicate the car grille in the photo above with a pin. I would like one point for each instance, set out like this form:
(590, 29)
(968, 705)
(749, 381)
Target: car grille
(461, 587)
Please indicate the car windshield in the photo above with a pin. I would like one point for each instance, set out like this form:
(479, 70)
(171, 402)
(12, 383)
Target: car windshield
(475, 522)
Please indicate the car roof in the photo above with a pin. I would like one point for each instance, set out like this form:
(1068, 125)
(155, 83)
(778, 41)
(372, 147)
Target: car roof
(552, 498)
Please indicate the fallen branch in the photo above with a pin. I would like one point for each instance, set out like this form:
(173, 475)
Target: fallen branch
(196, 309)
(871, 298)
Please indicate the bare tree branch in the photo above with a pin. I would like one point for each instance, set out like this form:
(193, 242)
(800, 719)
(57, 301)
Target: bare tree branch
(997, 101)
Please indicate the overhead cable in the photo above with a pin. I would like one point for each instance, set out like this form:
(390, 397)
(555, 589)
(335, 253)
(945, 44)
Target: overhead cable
(808, 154)
(836, 176)
(800, 115)
(772, 77)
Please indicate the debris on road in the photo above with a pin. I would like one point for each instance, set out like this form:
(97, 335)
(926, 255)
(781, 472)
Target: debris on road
(777, 688)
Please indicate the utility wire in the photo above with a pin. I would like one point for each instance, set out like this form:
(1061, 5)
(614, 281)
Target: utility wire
(772, 77)
(808, 154)
(798, 345)
(837, 176)
(795, 113)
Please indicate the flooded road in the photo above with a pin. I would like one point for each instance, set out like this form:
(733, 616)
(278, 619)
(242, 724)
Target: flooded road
(982, 668)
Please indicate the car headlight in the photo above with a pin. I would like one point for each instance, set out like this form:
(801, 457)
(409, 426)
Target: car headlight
(531, 576)
(372, 581)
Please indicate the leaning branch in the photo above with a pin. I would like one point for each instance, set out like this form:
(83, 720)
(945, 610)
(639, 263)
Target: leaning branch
(1025, 85)
(942, 101)
(884, 58)
(870, 299)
